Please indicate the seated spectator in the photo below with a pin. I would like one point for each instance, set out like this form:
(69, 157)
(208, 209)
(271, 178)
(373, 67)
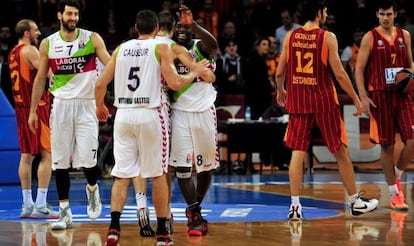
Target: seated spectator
(229, 72)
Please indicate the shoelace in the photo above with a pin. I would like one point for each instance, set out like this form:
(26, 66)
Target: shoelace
(92, 202)
(63, 214)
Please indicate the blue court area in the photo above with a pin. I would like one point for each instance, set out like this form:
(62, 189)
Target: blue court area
(230, 199)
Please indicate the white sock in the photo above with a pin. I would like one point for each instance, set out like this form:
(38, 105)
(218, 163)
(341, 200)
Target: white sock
(294, 200)
(27, 197)
(393, 190)
(353, 198)
(64, 204)
(398, 172)
(41, 197)
(141, 199)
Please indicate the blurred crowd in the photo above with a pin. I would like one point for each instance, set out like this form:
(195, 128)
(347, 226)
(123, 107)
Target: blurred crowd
(249, 32)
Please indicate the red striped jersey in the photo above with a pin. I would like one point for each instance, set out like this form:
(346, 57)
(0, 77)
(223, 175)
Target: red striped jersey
(22, 76)
(309, 83)
(386, 58)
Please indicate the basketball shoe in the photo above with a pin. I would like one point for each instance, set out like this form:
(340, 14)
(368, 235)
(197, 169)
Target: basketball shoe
(164, 240)
(295, 212)
(94, 203)
(46, 212)
(363, 205)
(26, 211)
(397, 203)
(144, 223)
(196, 225)
(113, 237)
(64, 221)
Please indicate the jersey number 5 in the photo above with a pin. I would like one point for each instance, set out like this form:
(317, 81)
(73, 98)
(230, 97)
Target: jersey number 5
(133, 76)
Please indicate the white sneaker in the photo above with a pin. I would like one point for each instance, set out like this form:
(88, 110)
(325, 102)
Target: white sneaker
(26, 211)
(362, 205)
(45, 212)
(295, 212)
(94, 203)
(64, 221)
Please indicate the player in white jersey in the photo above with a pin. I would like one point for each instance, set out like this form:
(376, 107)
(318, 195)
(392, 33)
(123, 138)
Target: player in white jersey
(194, 124)
(71, 55)
(164, 35)
(141, 68)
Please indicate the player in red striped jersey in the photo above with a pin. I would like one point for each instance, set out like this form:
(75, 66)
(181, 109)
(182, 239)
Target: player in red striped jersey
(309, 54)
(384, 51)
(23, 63)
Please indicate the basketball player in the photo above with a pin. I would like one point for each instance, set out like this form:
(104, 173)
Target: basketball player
(385, 50)
(309, 54)
(142, 68)
(71, 53)
(23, 63)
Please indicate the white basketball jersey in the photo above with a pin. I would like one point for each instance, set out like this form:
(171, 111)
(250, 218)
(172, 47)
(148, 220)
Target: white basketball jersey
(197, 96)
(74, 66)
(138, 81)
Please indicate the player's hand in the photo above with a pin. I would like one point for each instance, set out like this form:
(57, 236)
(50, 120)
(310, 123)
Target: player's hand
(33, 122)
(201, 67)
(102, 113)
(358, 105)
(281, 97)
(366, 104)
(185, 15)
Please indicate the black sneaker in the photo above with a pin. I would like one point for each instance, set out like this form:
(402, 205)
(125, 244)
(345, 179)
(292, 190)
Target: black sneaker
(193, 226)
(144, 223)
(196, 225)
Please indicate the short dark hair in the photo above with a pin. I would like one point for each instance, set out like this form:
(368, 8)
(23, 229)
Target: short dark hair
(386, 4)
(22, 26)
(63, 3)
(146, 21)
(166, 20)
(311, 8)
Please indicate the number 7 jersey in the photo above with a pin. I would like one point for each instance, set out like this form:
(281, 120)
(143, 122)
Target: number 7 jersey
(74, 66)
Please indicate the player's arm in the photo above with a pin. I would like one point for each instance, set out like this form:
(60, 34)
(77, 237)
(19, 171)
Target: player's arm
(339, 71)
(100, 48)
(39, 84)
(31, 56)
(208, 44)
(407, 38)
(104, 79)
(280, 74)
(168, 70)
(361, 63)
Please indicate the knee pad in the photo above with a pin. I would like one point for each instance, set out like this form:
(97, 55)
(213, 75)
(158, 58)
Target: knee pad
(183, 172)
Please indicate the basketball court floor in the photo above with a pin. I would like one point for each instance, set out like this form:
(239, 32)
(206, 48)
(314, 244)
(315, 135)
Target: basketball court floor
(241, 210)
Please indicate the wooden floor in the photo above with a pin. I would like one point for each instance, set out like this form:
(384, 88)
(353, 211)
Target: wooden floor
(266, 195)
(381, 227)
